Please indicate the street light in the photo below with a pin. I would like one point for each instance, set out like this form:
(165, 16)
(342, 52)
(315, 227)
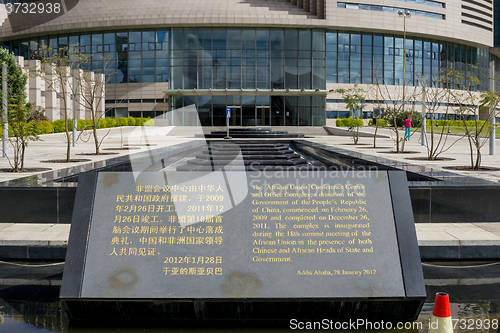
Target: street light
(404, 14)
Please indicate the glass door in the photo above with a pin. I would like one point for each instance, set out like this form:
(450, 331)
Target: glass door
(263, 116)
(277, 111)
(248, 110)
(235, 115)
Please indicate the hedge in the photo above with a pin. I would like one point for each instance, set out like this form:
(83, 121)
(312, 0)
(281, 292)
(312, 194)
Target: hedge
(400, 116)
(45, 127)
(380, 122)
(348, 122)
(470, 123)
(57, 126)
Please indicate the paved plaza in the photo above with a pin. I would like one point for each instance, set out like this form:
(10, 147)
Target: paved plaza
(459, 151)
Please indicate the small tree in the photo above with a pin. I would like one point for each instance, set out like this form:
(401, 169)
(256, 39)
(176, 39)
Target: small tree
(470, 102)
(376, 118)
(394, 110)
(355, 100)
(435, 97)
(376, 89)
(91, 90)
(16, 78)
(22, 131)
(55, 69)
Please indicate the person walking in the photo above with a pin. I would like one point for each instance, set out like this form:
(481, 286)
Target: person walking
(407, 128)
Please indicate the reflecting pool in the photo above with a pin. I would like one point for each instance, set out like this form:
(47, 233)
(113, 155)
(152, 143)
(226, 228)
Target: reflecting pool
(29, 300)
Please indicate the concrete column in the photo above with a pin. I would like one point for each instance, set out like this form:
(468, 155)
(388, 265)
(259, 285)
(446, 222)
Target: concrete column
(51, 100)
(101, 94)
(89, 84)
(67, 89)
(20, 61)
(35, 84)
(80, 102)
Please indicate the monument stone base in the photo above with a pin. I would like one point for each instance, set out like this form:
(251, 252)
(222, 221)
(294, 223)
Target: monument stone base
(243, 247)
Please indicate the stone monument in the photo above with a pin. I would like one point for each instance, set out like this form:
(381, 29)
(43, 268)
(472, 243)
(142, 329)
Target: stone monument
(243, 246)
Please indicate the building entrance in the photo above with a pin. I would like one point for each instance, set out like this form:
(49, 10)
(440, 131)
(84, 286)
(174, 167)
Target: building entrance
(263, 115)
(247, 115)
(235, 115)
(255, 110)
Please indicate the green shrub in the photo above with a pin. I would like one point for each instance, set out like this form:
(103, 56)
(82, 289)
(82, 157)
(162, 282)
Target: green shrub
(59, 126)
(380, 122)
(37, 114)
(101, 123)
(139, 121)
(11, 133)
(440, 123)
(121, 121)
(472, 123)
(44, 127)
(81, 123)
(149, 122)
(110, 122)
(143, 121)
(348, 122)
(400, 116)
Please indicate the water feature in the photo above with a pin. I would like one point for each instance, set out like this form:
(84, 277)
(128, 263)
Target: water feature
(29, 300)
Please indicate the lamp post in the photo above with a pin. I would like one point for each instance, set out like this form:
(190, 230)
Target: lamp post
(404, 15)
(493, 110)
(5, 118)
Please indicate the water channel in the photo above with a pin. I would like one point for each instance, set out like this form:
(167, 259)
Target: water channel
(29, 301)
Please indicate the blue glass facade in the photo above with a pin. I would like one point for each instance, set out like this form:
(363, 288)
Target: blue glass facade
(247, 59)
(263, 58)
(496, 23)
(353, 57)
(136, 56)
(250, 59)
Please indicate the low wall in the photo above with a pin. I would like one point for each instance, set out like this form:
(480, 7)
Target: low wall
(343, 131)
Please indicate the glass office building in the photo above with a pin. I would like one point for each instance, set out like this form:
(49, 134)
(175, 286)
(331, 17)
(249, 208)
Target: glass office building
(285, 74)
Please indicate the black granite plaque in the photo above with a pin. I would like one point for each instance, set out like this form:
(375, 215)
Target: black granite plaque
(247, 239)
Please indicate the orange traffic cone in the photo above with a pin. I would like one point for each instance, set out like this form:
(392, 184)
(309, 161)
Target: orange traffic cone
(441, 315)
